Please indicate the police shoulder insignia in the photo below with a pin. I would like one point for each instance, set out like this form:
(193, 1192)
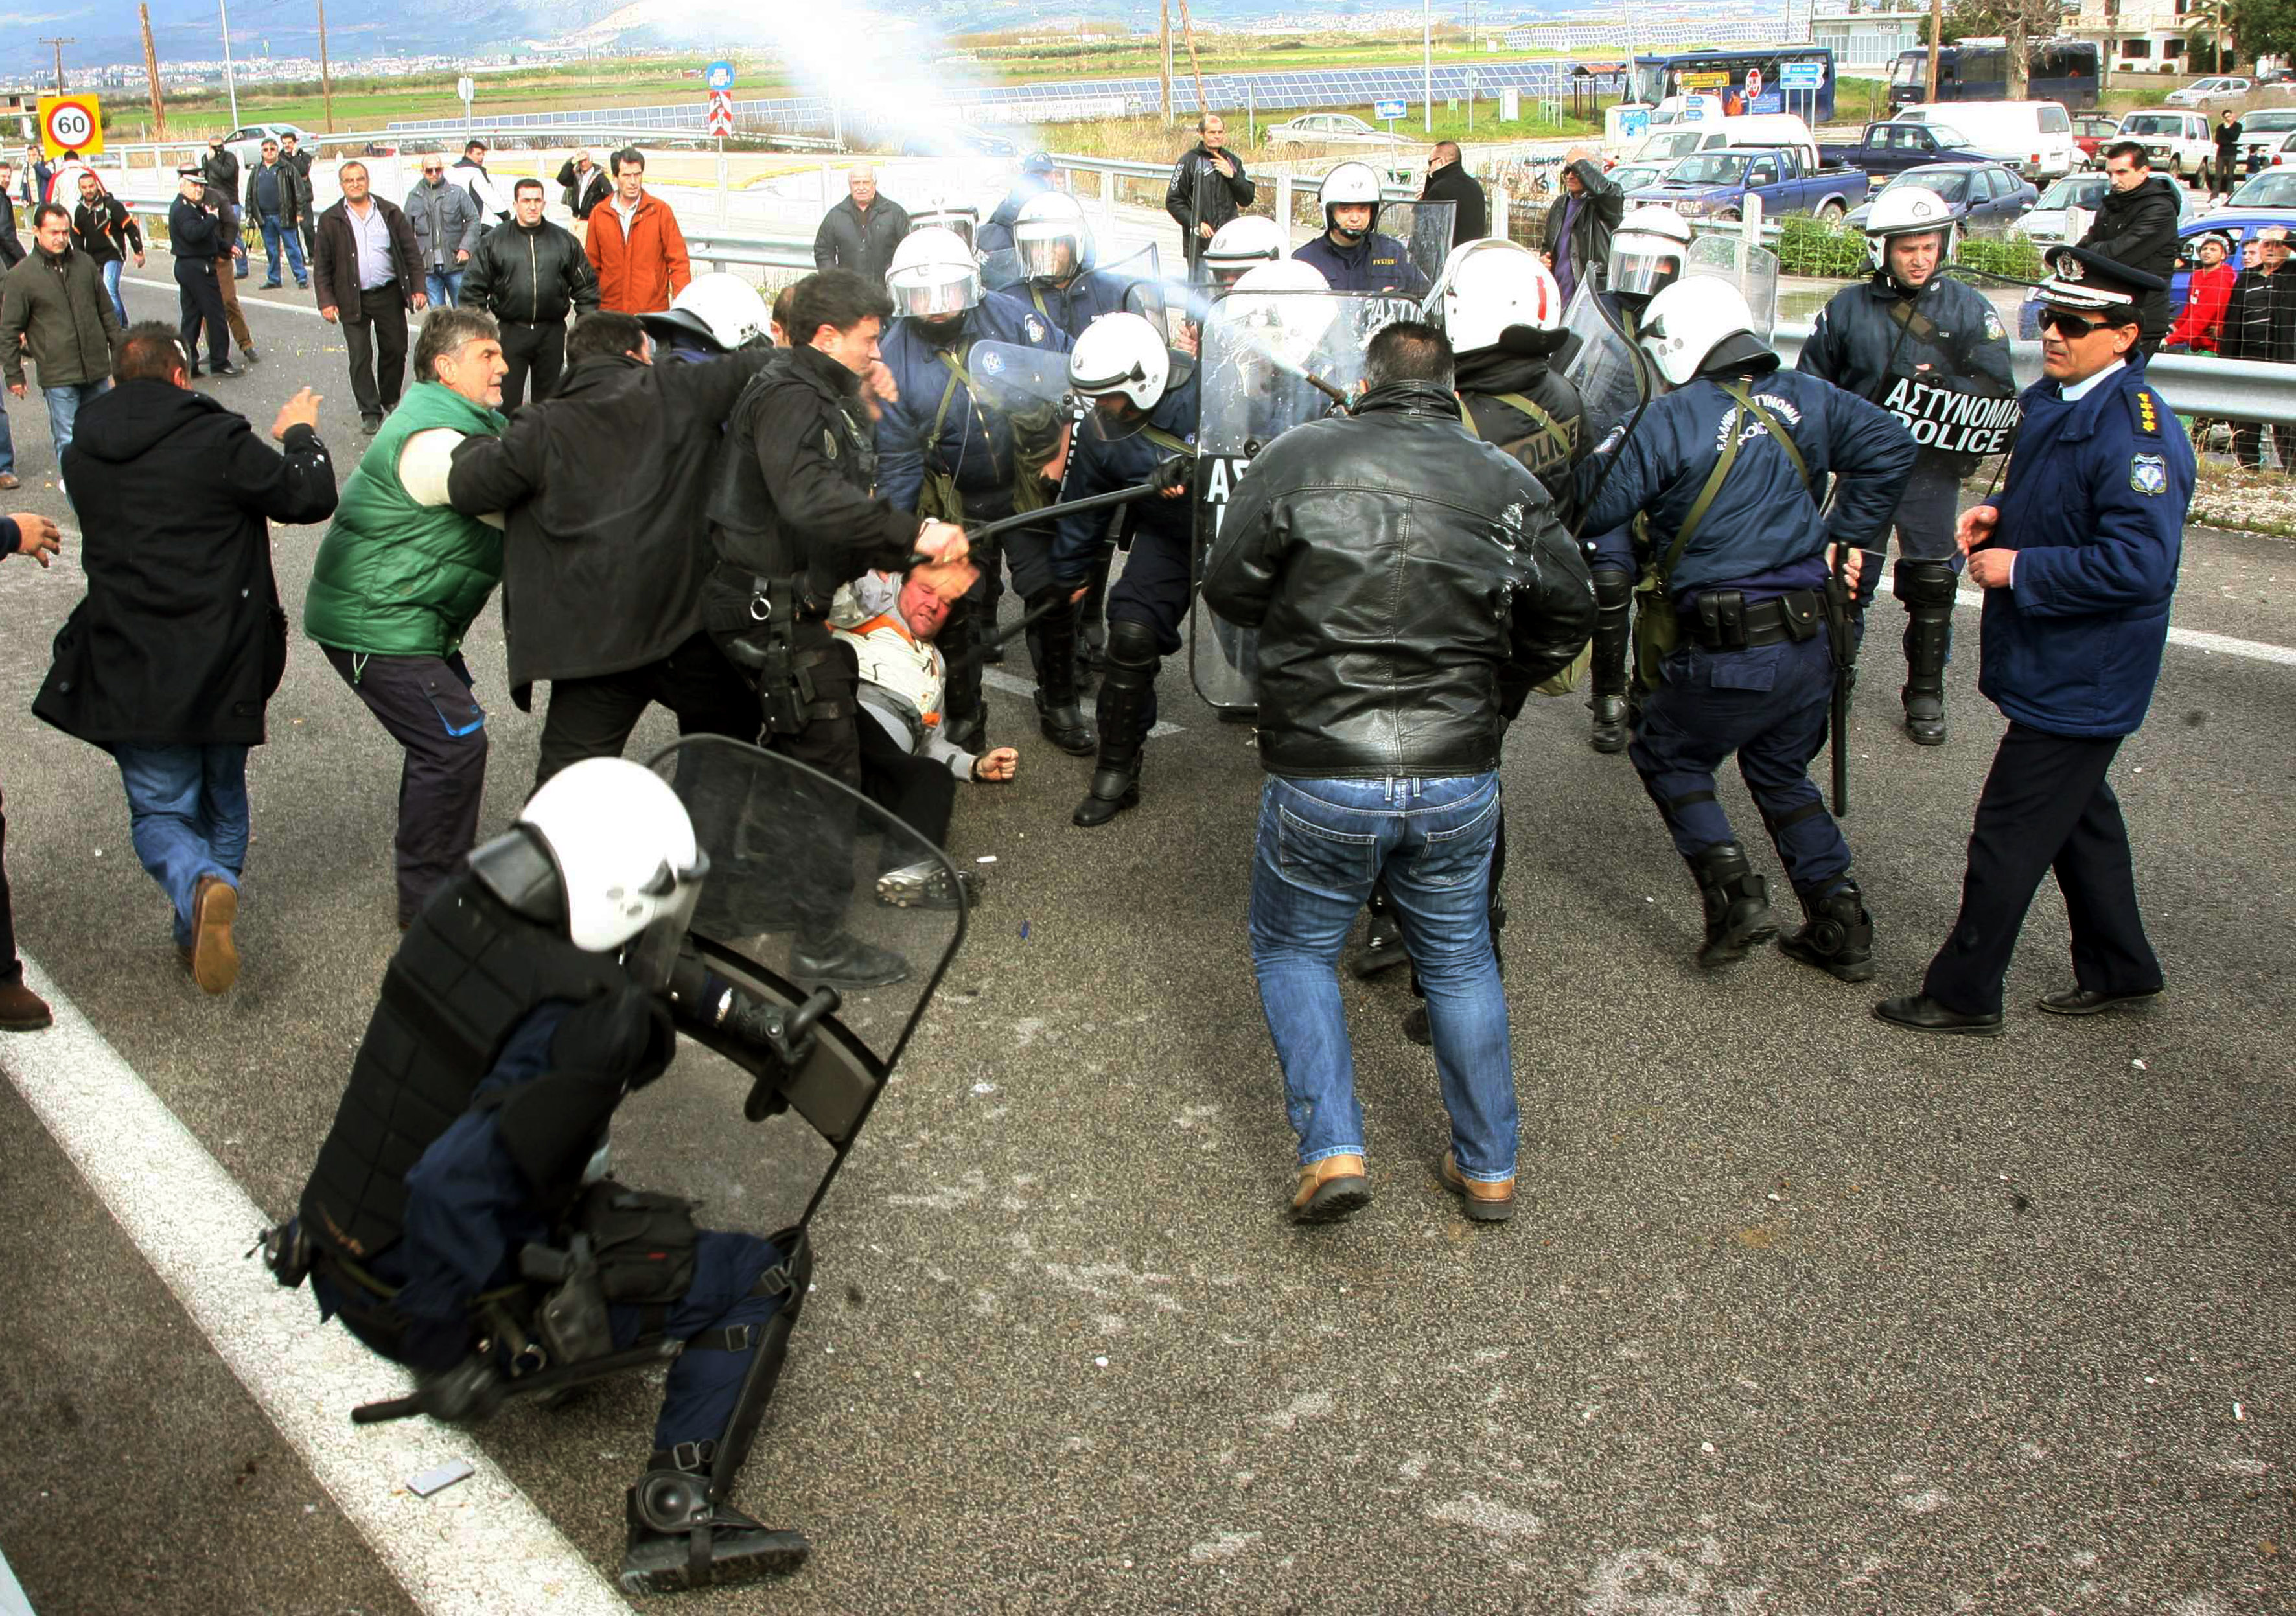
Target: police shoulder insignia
(829, 443)
(2148, 417)
(1036, 329)
(2149, 474)
(1993, 331)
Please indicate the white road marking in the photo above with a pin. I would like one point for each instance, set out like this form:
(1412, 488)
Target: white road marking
(1021, 686)
(301, 308)
(2219, 644)
(481, 1547)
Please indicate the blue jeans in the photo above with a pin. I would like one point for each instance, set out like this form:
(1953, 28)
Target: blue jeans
(187, 816)
(1321, 845)
(64, 409)
(445, 287)
(111, 270)
(274, 231)
(7, 439)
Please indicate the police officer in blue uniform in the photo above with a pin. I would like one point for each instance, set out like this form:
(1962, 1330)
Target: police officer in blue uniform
(1932, 352)
(1142, 426)
(1053, 247)
(1351, 255)
(1034, 181)
(452, 1221)
(1727, 468)
(945, 452)
(2078, 557)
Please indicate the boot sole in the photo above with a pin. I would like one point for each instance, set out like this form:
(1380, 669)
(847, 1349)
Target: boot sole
(1075, 748)
(28, 1023)
(653, 1570)
(215, 956)
(1993, 1031)
(851, 983)
(1729, 951)
(1607, 743)
(1477, 1211)
(1861, 971)
(1334, 1199)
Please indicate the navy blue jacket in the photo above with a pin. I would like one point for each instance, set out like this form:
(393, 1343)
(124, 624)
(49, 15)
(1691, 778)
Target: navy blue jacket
(1931, 383)
(1377, 263)
(1098, 466)
(2094, 508)
(1763, 533)
(1086, 297)
(976, 443)
(997, 230)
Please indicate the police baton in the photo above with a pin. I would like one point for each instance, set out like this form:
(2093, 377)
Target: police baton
(1043, 513)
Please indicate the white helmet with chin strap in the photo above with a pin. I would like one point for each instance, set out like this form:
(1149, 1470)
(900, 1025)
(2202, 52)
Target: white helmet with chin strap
(1351, 182)
(622, 851)
(959, 220)
(1698, 324)
(1646, 253)
(1044, 224)
(1910, 210)
(724, 308)
(1243, 242)
(1122, 353)
(933, 273)
(1488, 286)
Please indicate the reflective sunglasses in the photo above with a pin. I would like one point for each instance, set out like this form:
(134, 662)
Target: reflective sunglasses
(2065, 322)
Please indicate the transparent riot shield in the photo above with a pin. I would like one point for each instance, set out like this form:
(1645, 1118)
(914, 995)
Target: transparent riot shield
(1139, 278)
(779, 1066)
(1424, 228)
(1750, 268)
(1601, 360)
(1269, 361)
(1015, 378)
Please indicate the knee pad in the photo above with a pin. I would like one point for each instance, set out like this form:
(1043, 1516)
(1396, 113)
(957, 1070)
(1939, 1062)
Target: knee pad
(1925, 583)
(1131, 642)
(1612, 589)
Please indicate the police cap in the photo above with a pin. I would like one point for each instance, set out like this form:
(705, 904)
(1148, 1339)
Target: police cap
(2080, 277)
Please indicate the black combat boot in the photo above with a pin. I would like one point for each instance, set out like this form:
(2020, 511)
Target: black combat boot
(1606, 674)
(1837, 936)
(1125, 697)
(838, 959)
(1737, 904)
(1927, 590)
(1053, 641)
(679, 1539)
(1382, 945)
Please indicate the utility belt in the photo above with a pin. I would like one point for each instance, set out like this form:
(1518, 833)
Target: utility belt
(760, 623)
(1720, 620)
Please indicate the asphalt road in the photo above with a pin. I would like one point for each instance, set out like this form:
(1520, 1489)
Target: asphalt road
(1798, 1314)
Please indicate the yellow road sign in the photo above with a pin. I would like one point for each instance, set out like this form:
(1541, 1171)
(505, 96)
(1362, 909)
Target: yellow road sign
(71, 123)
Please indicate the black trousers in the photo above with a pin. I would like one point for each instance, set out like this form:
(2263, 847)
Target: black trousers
(536, 350)
(594, 718)
(201, 303)
(427, 705)
(377, 340)
(11, 969)
(2045, 806)
(921, 792)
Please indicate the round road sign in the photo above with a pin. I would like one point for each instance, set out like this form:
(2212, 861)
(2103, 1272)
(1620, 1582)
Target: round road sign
(69, 125)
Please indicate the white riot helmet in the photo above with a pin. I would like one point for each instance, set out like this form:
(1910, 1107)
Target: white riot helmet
(1701, 324)
(622, 856)
(1488, 286)
(1243, 242)
(1045, 225)
(722, 308)
(1646, 253)
(1351, 182)
(1910, 210)
(1122, 353)
(964, 222)
(1292, 327)
(933, 273)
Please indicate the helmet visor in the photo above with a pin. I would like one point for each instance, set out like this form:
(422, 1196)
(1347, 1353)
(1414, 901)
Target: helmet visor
(1640, 271)
(1051, 258)
(649, 957)
(923, 295)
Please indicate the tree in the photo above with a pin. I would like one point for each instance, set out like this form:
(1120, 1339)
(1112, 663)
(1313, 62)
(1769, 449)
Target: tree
(2263, 28)
(2018, 22)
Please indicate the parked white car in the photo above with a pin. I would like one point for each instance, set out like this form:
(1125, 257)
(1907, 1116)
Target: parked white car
(1327, 129)
(246, 142)
(2177, 142)
(2200, 92)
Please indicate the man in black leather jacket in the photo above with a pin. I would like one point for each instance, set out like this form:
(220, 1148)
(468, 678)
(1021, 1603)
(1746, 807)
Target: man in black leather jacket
(2136, 225)
(529, 275)
(1387, 671)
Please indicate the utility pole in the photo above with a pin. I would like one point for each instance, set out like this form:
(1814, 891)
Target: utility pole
(59, 44)
(1195, 66)
(1164, 63)
(1427, 60)
(1937, 36)
(326, 79)
(230, 79)
(151, 73)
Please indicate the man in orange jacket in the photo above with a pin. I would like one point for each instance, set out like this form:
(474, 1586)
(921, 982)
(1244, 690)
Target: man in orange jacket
(635, 243)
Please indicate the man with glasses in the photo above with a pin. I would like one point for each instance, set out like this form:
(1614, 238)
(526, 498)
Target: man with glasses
(446, 227)
(2136, 225)
(2077, 558)
(2259, 323)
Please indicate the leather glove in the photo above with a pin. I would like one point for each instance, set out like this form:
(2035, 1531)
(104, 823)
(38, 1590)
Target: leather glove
(465, 1395)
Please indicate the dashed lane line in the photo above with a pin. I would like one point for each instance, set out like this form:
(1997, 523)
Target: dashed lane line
(478, 1549)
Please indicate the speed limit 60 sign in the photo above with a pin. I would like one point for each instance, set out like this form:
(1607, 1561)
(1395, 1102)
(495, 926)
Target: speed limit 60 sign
(71, 123)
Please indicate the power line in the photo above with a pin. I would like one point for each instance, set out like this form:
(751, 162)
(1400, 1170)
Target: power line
(60, 42)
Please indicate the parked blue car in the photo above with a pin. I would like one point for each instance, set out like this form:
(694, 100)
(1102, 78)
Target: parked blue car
(1995, 194)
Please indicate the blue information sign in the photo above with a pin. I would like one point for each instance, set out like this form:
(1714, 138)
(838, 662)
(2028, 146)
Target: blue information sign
(1801, 75)
(1388, 110)
(720, 76)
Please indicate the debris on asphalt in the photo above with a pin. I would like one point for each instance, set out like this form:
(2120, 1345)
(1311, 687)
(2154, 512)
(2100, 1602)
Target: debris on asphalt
(2139, 1065)
(1100, 1363)
(984, 1088)
(986, 859)
(440, 1478)
(2239, 1413)
(1706, 1448)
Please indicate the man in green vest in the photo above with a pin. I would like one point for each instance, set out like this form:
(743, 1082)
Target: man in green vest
(398, 579)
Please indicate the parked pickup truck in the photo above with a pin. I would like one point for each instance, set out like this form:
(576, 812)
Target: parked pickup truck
(1716, 185)
(1890, 149)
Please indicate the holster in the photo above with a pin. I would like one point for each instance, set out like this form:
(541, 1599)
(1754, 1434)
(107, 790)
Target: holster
(757, 631)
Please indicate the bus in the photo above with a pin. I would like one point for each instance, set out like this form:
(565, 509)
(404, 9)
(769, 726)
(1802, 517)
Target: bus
(1723, 74)
(2064, 71)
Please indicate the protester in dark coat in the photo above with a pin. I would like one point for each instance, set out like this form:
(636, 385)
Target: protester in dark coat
(1580, 221)
(582, 184)
(2136, 225)
(168, 661)
(1208, 188)
(1448, 181)
(861, 233)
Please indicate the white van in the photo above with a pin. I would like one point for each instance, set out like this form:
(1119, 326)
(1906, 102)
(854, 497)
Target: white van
(1757, 129)
(2033, 138)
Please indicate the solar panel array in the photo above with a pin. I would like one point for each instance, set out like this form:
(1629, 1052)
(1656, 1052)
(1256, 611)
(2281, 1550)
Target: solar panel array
(1306, 88)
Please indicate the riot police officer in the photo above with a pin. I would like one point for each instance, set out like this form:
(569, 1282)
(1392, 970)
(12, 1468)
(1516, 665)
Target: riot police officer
(1931, 351)
(1142, 426)
(1351, 255)
(1614, 376)
(1738, 646)
(995, 235)
(1055, 247)
(793, 516)
(946, 451)
(1240, 246)
(1503, 313)
(525, 1003)
(715, 315)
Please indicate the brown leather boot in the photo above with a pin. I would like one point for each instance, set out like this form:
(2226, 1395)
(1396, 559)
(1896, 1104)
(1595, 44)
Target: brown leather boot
(214, 957)
(1483, 1202)
(1330, 1190)
(21, 1010)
